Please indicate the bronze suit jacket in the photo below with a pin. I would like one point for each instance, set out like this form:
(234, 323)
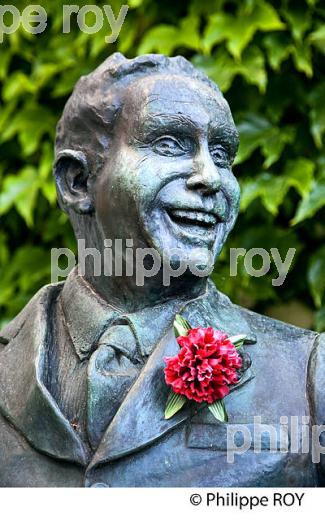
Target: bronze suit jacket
(39, 447)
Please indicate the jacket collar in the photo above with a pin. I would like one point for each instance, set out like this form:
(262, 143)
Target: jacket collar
(140, 419)
(27, 404)
(87, 316)
(24, 400)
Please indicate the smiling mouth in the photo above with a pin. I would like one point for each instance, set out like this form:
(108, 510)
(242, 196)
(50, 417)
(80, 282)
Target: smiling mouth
(191, 218)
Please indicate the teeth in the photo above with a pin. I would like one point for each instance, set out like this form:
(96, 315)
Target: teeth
(194, 216)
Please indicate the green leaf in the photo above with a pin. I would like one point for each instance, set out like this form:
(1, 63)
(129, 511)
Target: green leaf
(47, 184)
(299, 21)
(269, 188)
(253, 68)
(316, 100)
(299, 174)
(272, 189)
(278, 49)
(126, 38)
(256, 131)
(174, 403)
(238, 30)
(218, 410)
(218, 29)
(275, 142)
(18, 85)
(28, 267)
(67, 81)
(253, 131)
(317, 38)
(302, 57)
(159, 39)
(6, 114)
(309, 205)
(4, 63)
(188, 34)
(30, 124)
(4, 250)
(133, 4)
(20, 191)
(44, 72)
(165, 38)
(222, 68)
(181, 326)
(315, 276)
(320, 320)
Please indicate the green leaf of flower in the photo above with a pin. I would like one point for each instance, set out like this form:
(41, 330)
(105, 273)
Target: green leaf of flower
(218, 410)
(174, 403)
(181, 326)
(238, 340)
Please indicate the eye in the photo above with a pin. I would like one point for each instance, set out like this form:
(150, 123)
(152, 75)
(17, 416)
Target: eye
(169, 146)
(220, 155)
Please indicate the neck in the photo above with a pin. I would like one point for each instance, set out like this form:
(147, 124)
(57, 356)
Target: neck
(127, 295)
(131, 284)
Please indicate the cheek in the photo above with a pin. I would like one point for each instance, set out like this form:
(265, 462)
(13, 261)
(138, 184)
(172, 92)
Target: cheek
(232, 190)
(156, 175)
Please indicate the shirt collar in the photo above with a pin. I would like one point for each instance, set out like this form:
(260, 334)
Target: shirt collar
(87, 316)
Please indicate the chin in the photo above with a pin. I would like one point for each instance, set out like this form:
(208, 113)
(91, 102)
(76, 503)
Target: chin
(186, 259)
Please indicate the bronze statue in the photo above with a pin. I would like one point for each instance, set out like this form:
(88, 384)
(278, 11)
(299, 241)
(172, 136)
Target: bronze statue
(143, 153)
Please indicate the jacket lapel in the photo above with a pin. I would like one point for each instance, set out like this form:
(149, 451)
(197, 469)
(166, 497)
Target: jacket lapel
(140, 419)
(27, 404)
(24, 400)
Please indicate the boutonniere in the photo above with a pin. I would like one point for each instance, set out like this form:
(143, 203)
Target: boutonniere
(207, 366)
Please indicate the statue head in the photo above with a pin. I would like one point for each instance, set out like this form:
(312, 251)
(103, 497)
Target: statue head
(144, 150)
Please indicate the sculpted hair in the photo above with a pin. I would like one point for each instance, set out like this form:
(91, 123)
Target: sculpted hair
(88, 118)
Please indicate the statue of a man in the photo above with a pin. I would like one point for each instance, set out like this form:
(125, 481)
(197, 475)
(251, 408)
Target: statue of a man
(143, 162)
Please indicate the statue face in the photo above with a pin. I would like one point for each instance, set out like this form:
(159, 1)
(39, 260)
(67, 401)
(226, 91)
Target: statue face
(167, 181)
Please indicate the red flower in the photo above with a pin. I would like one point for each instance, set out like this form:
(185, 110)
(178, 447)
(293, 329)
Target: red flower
(205, 366)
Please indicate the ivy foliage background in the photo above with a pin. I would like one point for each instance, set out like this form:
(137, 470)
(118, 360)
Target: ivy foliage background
(268, 59)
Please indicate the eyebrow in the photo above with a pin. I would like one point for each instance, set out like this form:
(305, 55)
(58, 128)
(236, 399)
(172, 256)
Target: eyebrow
(228, 136)
(171, 122)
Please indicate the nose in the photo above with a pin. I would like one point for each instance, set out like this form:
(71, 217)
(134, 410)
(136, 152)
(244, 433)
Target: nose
(205, 176)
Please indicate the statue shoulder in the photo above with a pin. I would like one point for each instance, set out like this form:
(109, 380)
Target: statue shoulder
(268, 325)
(39, 300)
(257, 323)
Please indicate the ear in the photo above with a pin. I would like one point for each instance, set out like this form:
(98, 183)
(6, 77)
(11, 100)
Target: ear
(71, 175)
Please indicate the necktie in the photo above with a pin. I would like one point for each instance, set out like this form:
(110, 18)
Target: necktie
(112, 369)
